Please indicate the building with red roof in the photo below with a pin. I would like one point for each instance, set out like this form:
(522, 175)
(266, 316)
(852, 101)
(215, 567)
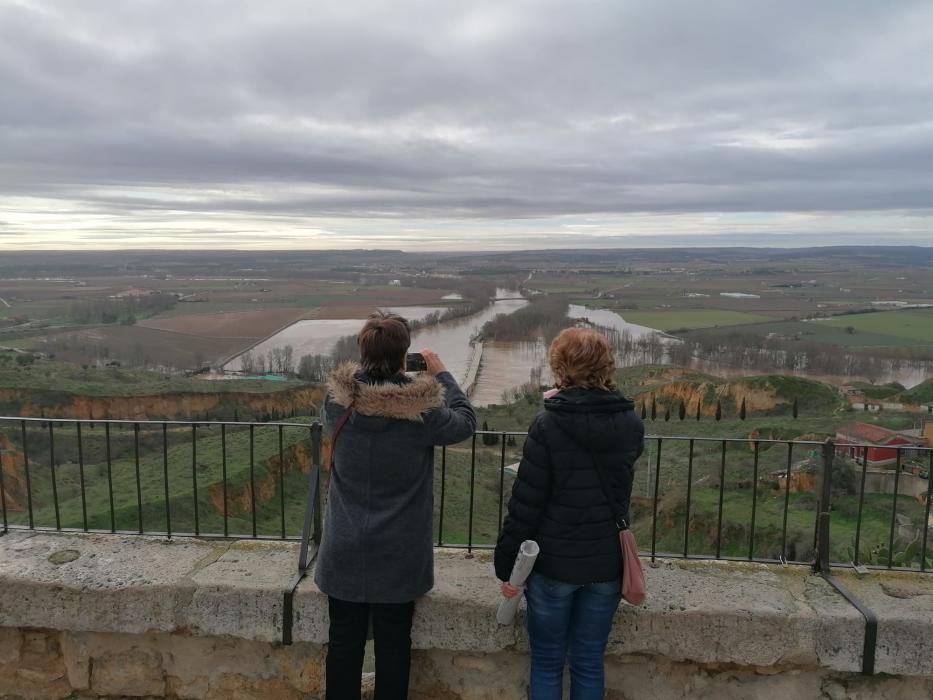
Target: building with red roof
(881, 444)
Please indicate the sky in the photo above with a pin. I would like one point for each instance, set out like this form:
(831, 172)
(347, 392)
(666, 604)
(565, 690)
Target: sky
(426, 125)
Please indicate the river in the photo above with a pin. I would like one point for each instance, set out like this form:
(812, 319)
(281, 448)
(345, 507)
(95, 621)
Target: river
(452, 340)
(506, 366)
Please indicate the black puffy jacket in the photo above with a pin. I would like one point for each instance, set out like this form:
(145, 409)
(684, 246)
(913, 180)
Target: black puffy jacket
(558, 500)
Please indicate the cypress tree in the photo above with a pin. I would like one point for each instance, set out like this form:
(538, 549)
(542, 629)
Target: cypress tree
(654, 409)
(682, 410)
(795, 407)
(718, 410)
(699, 406)
(644, 410)
(742, 410)
(667, 413)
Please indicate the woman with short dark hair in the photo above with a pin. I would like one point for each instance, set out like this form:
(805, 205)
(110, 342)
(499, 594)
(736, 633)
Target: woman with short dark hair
(377, 553)
(560, 500)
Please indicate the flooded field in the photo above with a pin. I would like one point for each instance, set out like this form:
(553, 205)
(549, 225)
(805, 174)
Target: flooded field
(450, 340)
(608, 319)
(319, 336)
(504, 366)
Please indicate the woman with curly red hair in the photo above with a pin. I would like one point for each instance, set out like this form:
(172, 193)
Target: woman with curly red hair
(580, 451)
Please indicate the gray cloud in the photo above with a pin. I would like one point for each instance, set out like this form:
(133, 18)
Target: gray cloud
(143, 112)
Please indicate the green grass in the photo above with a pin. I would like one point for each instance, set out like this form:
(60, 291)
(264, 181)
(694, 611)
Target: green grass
(922, 393)
(700, 318)
(823, 332)
(911, 327)
(179, 507)
(879, 391)
(769, 538)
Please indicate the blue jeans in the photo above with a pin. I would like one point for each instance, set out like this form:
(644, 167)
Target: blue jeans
(568, 622)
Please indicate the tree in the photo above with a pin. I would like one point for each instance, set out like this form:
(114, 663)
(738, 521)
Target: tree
(277, 360)
(644, 410)
(718, 410)
(794, 409)
(699, 406)
(248, 362)
(667, 413)
(314, 368)
(489, 438)
(742, 410)
(25, 360)
(654, 409)
(288, 359)
(682, 410)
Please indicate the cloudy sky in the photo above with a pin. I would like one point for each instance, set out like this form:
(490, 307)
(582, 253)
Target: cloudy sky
(462, 125)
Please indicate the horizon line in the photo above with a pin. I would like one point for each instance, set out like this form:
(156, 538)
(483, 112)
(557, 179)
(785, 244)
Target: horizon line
(293, 249)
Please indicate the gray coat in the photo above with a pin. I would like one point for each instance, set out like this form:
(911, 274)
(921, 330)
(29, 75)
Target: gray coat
(378, 529)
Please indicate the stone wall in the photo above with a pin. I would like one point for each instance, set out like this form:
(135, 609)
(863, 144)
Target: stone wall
(112, 616)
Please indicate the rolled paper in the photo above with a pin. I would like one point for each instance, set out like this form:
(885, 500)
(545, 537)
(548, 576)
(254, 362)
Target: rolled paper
(524, 563)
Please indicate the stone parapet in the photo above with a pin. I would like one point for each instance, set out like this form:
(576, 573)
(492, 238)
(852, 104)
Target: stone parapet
(111, 615)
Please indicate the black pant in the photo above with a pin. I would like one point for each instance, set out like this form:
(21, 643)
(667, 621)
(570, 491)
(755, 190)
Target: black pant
(349, 623)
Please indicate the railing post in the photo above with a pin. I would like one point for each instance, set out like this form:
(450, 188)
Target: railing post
(821, 565)
(3, 496)
(318, 500)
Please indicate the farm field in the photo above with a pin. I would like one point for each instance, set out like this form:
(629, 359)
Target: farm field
(908, 327)
(235, 324)
(329, 299)
(133, 345)
(834, 333)
(174, 322)
(700, 318)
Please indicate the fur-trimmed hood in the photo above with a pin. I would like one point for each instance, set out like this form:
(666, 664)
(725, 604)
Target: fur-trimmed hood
(406, 401)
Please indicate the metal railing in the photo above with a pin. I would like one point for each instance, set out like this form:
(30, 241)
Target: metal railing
(139, 485)
(695, 497)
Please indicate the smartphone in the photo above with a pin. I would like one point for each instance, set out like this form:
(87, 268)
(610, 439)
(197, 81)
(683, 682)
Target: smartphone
(414, 362)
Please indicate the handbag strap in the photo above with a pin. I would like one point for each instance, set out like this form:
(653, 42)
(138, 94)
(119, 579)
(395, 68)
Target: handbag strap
(617, 514)
(341, 422)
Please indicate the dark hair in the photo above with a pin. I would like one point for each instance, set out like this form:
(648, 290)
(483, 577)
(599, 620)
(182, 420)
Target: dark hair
(384, 340)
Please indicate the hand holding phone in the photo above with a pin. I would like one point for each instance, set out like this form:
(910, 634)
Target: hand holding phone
(433, 362)
(414, 362)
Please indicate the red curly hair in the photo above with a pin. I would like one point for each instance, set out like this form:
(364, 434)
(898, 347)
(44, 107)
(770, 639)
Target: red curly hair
(582, 358)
